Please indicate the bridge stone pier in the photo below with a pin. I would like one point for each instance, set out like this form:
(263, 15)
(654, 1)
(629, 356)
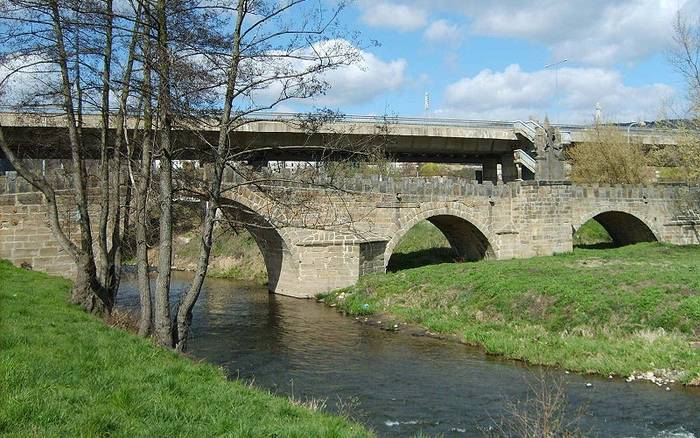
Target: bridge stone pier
(315, 240)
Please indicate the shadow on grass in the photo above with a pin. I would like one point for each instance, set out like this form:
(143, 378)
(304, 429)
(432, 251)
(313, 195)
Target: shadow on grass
(599, 245)
(424, 257)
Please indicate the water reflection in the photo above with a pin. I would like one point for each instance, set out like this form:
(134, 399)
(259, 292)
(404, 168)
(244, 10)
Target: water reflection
(403, 384)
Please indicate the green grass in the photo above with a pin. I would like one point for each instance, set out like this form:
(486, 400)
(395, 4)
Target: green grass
(612, 311)
(233, 255)
(424, 244)
(66, 373)
(592, 233)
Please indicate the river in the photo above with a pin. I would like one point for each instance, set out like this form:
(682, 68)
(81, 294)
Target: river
(397, 384)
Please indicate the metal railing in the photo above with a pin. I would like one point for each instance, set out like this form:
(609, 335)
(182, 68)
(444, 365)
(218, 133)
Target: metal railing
(522, 157)
(527, 127)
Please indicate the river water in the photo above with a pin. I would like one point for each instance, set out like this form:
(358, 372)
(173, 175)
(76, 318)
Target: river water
(397, 384)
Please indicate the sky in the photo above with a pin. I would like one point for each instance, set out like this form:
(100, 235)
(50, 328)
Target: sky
(486, 60)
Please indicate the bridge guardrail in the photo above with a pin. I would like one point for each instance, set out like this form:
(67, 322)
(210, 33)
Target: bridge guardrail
(522, 157)
(528, 127)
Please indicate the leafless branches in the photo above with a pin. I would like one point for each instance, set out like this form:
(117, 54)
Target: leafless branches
(161, 77)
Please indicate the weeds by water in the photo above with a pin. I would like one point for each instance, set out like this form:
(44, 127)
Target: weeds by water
(544, 413)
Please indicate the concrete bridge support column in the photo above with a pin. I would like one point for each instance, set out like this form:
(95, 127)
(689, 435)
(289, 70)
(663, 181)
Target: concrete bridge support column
(509, 172)
(490, 170)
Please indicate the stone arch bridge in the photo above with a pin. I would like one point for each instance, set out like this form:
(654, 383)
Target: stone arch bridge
(314, 240)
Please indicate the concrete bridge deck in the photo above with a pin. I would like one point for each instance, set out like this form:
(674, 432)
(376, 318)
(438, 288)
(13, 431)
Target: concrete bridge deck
(43, 136)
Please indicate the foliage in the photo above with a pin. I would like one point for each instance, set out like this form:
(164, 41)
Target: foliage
(65, 373)
(589, 311)
(431, 169)
(681, 162)
(591, 233)
(608, 157)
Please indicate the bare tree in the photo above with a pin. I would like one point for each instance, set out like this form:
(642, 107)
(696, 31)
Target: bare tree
(218, 63)
(161, 76)
(70, 47)
(684, 56)
(543, 413)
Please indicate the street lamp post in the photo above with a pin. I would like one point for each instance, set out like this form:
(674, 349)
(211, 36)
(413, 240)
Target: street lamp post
(641, 124)
(556, 83)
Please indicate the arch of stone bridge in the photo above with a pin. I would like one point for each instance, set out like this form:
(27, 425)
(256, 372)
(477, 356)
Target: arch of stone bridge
(624, 227)
(281, 260)
(466, 235)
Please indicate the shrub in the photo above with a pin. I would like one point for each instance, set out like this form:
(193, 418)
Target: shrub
(608, 157)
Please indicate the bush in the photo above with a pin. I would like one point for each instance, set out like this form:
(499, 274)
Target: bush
(607, 157)
(681, 162)
(431, 169)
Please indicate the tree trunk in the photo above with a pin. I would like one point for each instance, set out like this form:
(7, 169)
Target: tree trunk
(184, 308)
(186, 304)
(87, 292)
(143, 279)
(142, 265)
(162, 323)
(103, 267)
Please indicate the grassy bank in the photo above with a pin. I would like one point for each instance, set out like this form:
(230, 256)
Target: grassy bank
(65, 373)
(613, 311)
(592, 233)
(423, 245)
(233, 255)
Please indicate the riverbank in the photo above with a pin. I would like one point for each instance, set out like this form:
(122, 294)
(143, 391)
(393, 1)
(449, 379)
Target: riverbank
(234, 255)
(67, 373)
(624, 311)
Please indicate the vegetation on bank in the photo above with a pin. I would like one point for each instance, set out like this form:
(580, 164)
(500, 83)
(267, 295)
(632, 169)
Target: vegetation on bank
(609, 157)
(423, 245)
(618, 311)
(66, 373)
(234, 254)
(592, 234)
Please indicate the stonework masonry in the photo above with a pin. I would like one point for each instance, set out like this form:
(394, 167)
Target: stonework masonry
(25, 236)
(327, 241)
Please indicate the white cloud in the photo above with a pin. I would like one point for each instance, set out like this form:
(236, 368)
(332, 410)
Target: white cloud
(391, 15)
(443, 32)
(516, 94)
(354, 83)
(594, 32)
(363, 81)
(27, 79)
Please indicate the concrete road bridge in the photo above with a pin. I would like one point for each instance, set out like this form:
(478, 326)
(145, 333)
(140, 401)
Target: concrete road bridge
(509, 150)
(317, 240)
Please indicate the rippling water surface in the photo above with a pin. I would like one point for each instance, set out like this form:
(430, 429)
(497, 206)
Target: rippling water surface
(398, 384)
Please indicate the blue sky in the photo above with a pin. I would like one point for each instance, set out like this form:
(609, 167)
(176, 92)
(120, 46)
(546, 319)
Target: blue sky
(485, 59)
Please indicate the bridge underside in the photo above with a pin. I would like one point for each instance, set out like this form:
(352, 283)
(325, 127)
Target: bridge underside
(624, 228)
(52, 143)
(468, 242)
